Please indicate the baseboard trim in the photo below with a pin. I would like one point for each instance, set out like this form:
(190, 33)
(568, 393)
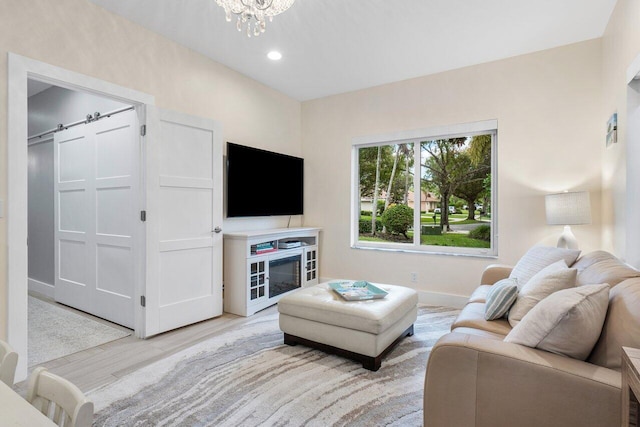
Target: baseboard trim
(441, 299)
(41, 287)
(429, 298)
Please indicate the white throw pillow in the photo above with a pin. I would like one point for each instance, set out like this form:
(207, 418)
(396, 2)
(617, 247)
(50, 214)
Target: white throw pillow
(537, 258)
(550, 279)
(567, 322)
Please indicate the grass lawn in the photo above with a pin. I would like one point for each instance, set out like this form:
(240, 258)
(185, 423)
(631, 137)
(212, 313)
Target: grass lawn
(452, 239)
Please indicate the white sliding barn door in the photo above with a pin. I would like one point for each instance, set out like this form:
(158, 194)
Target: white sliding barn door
(184, 209)
(96, 187)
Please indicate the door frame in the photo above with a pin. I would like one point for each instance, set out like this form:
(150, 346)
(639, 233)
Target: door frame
(631, 229)
(21, 69)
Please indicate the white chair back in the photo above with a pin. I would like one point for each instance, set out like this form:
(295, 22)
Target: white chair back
(59, 399)
(8, 362)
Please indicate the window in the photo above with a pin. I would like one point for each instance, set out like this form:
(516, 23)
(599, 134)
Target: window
(430, 190)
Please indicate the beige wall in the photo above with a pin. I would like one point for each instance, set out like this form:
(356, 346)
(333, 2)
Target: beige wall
(621, 45)
(79, 36)
(550, 138)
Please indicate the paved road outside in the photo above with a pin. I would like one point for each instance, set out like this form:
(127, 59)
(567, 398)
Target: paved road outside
(466, 227)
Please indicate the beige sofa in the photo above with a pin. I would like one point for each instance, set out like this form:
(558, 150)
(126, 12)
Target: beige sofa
(473, 378)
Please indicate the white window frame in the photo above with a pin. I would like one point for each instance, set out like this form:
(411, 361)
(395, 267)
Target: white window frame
(411, 136)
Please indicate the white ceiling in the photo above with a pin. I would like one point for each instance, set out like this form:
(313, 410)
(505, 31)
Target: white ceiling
(336, 46)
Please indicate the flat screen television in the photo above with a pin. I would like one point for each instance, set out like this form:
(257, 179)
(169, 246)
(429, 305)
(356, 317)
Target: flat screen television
(263, 183)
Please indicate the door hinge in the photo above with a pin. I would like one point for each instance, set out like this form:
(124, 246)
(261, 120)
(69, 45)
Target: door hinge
(143, 301)
(143, 216)
(143, 130)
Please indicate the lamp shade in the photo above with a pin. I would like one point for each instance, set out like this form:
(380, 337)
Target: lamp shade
(568, 208)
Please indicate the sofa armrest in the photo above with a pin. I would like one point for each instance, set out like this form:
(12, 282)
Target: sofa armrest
(495, 272)
(481, 381)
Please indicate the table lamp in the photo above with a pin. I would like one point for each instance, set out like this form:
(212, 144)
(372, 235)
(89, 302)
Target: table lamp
(568, 208)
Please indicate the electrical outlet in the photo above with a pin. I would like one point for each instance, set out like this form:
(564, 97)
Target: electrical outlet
(414, 277)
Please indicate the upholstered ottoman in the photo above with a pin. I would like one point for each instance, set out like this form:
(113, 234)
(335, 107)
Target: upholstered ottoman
(364, 331)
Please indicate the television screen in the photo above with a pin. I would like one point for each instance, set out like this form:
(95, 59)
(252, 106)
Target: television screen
(263, 183)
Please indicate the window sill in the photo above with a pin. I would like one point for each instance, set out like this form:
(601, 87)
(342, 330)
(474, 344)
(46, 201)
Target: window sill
(431, 250)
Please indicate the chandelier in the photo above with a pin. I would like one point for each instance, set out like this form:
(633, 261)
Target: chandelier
(253, 11)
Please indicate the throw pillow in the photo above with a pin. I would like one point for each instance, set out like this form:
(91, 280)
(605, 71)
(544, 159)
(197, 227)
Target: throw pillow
(602, 267)
(537, 258)
(500, 298)
(567, 322)
(550, 279)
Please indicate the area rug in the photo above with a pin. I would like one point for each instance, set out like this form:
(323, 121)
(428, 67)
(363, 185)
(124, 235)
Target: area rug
(248, 377)
(55, 332)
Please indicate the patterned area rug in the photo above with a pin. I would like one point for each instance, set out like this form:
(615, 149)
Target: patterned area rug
(248, 377)
(55, 332)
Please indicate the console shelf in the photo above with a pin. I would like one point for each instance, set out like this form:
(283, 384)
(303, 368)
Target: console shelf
(261, 266)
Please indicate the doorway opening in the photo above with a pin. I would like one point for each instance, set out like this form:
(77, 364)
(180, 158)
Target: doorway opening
(83, 177)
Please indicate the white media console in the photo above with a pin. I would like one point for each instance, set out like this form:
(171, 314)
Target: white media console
(262, 266)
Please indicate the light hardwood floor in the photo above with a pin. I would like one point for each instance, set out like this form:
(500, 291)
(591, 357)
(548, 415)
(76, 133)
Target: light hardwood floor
(106, 363)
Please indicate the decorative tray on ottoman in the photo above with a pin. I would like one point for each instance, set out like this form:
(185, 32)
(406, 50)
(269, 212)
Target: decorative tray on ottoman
(358, 290)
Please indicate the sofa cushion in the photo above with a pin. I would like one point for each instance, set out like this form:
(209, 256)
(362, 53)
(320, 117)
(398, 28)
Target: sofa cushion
(500, 298)
(537, 258)
(550, 279)
(479, 333)
(602, 267)
(472, 316)
(567, 322)
(621, 326)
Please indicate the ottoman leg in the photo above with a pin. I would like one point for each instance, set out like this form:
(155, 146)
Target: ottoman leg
(372, 363)
(290, 340)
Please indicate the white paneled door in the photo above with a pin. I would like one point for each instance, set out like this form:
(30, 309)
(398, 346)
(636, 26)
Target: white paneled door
(96, 187)
(184, 219)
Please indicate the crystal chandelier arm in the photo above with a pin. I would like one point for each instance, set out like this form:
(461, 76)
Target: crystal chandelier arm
(258, 4)
(233, 6)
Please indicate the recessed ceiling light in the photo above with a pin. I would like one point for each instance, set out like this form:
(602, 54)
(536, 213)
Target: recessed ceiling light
(274, 55)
